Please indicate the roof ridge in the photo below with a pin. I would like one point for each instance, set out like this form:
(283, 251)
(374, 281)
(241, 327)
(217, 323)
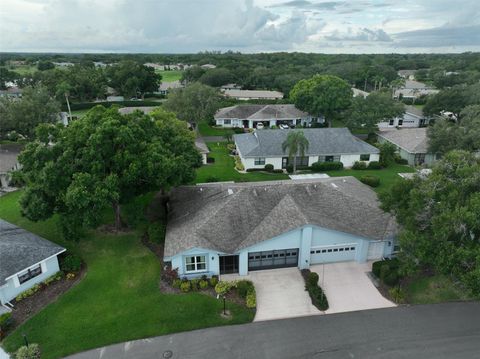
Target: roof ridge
(261, 108)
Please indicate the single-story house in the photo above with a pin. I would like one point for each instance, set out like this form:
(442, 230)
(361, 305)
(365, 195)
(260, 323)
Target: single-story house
(166, 87)
(413, 90)
(202, 148)
(25, 260)
(357, 92)
(145, 109)
(12, 92)
(208, 66)
(241, 227)
(8, 162)
(115, 98)
(413, 117)
(230, 87)
(407, 74)
(325, 145)
(412, 144)
(249, 116)
(253, 94)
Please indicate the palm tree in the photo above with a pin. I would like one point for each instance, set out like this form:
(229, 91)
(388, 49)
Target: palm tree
(63, 89)
(297, 144)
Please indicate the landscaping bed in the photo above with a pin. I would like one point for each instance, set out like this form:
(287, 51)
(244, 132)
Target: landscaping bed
(317, 295)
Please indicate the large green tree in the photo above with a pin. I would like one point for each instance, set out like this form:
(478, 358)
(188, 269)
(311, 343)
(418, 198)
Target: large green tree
(22, 115)
(131, 78)
(296, 144)
(194, 103)
(104, 160)
(367, 112)
(463, 134)
(440, 218)
(322, 95)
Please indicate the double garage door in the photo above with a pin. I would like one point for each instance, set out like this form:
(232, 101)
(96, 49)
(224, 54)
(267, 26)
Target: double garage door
(329, 254)
(273, 259)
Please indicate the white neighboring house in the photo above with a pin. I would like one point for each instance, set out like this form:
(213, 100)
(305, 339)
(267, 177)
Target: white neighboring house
(411, 143)
(413, 117)
(202, 148)
(325, 145)
(208, 66)
(249, 116)
(357, 92)
(407, 74)
(413, 90)
(25, 260)
(252, 94)
(8, 162)
(166, 87)
(115, 98)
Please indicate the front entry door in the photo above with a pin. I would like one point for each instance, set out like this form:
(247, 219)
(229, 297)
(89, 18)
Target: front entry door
(228, 264)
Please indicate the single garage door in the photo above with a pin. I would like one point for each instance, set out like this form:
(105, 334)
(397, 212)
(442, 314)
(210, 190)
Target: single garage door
(375, 250)
(337, 253)
(273, 259)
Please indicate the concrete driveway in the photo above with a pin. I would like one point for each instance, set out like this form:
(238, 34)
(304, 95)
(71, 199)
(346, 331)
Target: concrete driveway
(280, 294)
(348, 288)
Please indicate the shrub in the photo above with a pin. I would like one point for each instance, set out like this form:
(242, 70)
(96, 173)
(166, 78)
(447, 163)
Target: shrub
(17, 179)
(238, 130)
(212, 179)
(5, 323)
(269, 167)
(372, 181)
(28, 293)
(374, 165)
(316, 294)
(289, 168)
(203, 284)
(312, 278)
(359, 165)
(169, 274)
(70, 263)
(70, 276)
(56, 277)
(176, 283)
(326, 166)
(30, 352)
(388, 271)
(223, 287)
(185, 286)
(194, 284)
(401, 161)
(213, 281)
(238, 164)
(156, 232)
(397, 294)
(251, 298)
(277, 171)
(243, 287)
(210, 160)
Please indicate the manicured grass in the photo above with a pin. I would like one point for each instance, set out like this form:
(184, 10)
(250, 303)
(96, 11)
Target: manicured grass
(434, 289)
(23, 69)
(169, 76)
(118, 300)
(224, 168)
(206, 130)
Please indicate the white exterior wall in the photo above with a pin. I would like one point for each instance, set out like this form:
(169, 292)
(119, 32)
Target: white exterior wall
(12, 286)
(409, 120)
(250, 162)
(349, 160)
(213, 263)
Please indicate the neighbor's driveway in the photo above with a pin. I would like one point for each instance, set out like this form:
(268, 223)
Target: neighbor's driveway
(348, 288)
(280, 293)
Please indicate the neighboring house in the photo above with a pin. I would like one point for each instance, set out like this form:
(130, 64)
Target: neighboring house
(11, 92)
(202, 148)
(208, 66)
(241, 227)
(249, 116)
(63, 64)
(115, 98)
(25, 260)
(413, 117)
(100, 64)
(253, 94)
(8, 162)
(413, 90)
(412, 144)
(407, 74)
(325, 145)
(230, 87)
(128, 110)
(357, 92)
(166, 87)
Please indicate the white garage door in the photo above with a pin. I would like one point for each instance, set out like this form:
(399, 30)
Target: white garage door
(375, 250)
(336, 253)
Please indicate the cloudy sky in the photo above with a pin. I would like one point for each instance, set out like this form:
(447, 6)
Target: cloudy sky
(189, 26)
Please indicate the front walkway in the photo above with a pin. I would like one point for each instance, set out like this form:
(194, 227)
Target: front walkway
(348, 287)
(280, 293)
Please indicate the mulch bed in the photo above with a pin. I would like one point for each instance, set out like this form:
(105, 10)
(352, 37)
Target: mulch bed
(27, 307)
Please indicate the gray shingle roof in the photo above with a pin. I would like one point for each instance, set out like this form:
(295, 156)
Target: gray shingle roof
(414, 110)
(322, 141)
(20, 249)
(413, 140)
(261, 112)
(253, 94)
(229, 217)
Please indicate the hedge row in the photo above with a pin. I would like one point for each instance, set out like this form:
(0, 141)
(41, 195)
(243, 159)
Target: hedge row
(326, 166)
(318, 297)
(372, 181)
(387, 271)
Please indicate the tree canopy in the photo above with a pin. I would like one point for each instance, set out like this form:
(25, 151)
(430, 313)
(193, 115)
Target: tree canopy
(130, 78)
(440, 216)
(367, 112)
(194, 103)
(322, 95)
(296, 144)
(453, 99)
(22, 115)
(104, 159)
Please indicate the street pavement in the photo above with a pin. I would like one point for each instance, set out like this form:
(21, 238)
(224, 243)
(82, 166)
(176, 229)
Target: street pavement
(440, 331)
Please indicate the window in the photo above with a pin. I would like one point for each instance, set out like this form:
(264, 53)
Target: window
(324, 251)
(347, 249)
(391, 122)
(400, 122)
(365, 157)
(31, 273)
(419, 158)
(352, 248)
(301, 161)
(341, 249)
(259, 161)
(335, 250)
(195, 263)
(311, 252)
(328, 158)
(227, 122)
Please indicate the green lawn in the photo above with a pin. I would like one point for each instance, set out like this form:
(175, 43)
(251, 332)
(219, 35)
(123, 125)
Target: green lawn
(434, 289)
(224, 168)
(80, 113)
(206, 130)
(23, 69)
(118, 300)
(170, 76)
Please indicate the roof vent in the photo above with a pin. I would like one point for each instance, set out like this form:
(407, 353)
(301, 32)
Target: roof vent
(230, 191)
(334, 185)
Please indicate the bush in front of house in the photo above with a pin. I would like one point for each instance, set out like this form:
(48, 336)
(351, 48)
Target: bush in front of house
(185, 286)
(223, 287)
(312, 278)
(372, 181)
(269, 167)
(318, 297)
(243, 286)
(203, 284)
(388, 271)
(238, 164)
(359, 165)
(5, 323)
(289, 168)
(70, 263)
(326, 166)
(169, 274)
(213, 281)
(374, 165)
(176, 283)
(30, 352)
(156, 232)
(238, 130)
(251, 298)
(401, 161)
(397, 294)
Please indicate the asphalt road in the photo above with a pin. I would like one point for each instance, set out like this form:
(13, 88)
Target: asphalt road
(430, 331)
